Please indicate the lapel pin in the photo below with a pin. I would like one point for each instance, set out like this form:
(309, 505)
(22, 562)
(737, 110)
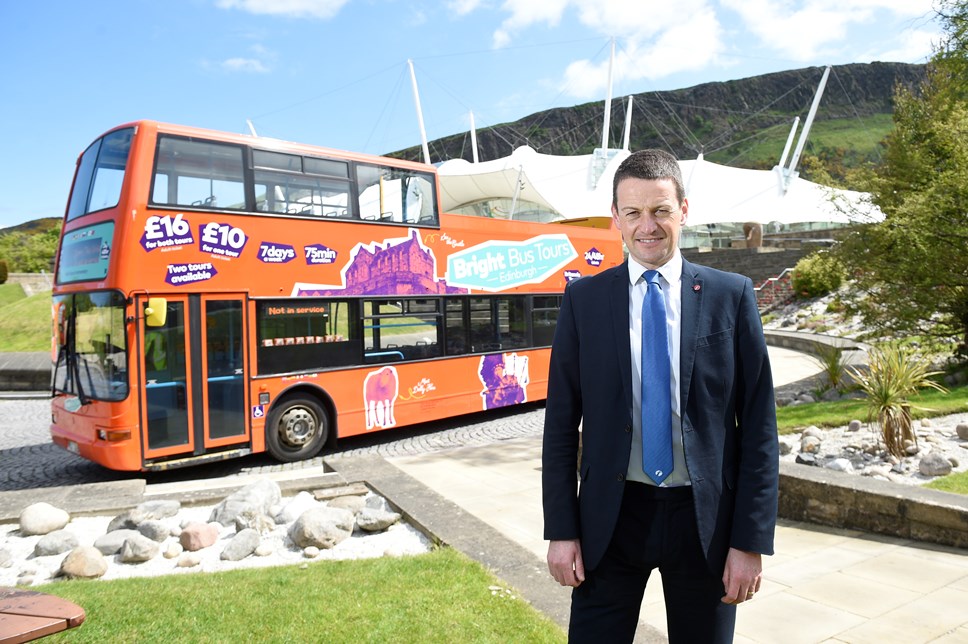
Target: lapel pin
(696, 287)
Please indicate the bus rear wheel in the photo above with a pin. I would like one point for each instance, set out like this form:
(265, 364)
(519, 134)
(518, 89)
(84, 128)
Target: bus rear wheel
(297, 429)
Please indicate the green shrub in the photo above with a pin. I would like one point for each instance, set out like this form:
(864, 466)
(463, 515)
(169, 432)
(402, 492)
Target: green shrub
(831, 360)
(894, 374)
(817, 274)
(3, 271)
(836, 305)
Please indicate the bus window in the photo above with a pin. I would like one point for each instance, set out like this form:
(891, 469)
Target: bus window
(498, 323)
(199, 174)
(457, 328)
(512, 321)
(483, 327)
(395, 195)
(396, 330)
(100, 173)
(291, 184)
(306, 335)
(225, 369)
(544, 318)
(302, 195)
(166, 384)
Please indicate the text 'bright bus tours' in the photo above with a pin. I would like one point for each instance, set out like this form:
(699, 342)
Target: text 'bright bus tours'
(218, 295)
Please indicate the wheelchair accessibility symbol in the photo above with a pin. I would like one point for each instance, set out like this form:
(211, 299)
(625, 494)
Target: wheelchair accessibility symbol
(258, 411)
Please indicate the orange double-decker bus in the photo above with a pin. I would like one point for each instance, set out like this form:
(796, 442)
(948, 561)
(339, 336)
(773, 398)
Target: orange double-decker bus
(218, 295)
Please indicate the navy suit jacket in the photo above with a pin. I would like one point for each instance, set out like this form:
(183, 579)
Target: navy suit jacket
(728, 414)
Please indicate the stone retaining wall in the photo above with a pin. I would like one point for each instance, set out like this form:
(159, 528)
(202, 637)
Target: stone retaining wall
(826, 497)
(25, 371)
(31, 282)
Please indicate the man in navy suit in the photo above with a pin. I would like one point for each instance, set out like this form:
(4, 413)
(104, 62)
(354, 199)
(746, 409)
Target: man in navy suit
(706, 524)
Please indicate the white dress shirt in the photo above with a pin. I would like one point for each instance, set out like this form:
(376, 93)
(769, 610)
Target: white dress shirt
(670, 280)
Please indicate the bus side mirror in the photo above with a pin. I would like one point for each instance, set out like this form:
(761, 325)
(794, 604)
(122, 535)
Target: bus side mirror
(156, 312)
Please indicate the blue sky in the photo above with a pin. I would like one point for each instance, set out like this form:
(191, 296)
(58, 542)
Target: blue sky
(334, 72)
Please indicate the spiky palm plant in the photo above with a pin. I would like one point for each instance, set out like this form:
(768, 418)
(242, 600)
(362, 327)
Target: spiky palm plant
(830, 359)
(894, 374)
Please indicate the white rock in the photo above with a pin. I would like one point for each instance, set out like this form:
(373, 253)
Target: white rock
(810, 445)
(840, 465)
(41, 518)
(189, 560)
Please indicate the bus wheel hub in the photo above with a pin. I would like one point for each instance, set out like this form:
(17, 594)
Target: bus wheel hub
(298, 426)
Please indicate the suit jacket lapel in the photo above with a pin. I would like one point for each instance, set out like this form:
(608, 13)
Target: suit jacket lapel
(619, 298)
(692, 296)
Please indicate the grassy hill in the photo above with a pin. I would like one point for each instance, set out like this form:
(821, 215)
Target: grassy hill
(742, 123)
(30, 247)
(33, 227)
(24, 321)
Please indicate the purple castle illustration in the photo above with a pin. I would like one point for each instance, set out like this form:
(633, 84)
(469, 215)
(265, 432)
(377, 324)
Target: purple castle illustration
(505, 379)
(397, 267)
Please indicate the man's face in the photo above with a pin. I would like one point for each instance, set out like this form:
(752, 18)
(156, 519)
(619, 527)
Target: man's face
(650, 217)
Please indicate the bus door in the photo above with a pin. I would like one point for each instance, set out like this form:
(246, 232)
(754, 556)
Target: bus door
(194, 384)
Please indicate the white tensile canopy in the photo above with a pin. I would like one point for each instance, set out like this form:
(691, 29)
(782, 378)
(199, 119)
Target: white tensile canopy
(562, 184)
(581, 186)
(720, 194)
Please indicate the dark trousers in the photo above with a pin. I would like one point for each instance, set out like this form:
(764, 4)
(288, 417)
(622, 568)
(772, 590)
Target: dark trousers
(656, 529)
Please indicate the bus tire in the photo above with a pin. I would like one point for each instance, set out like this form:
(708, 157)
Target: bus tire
(297, 429)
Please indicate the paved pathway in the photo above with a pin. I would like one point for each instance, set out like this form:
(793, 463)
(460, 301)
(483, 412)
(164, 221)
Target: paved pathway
(823, 585)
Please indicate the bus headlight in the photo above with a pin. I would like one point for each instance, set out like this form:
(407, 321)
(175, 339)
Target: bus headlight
(114, 435)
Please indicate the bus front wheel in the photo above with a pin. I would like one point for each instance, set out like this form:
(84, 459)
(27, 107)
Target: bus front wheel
(297, 429)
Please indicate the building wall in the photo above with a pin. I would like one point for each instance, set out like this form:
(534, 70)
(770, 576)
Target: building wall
(759, 264)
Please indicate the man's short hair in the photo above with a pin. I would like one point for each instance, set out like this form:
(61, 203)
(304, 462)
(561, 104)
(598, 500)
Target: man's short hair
(652, 164)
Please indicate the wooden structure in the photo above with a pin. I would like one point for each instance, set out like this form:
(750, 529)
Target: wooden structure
(27, 615)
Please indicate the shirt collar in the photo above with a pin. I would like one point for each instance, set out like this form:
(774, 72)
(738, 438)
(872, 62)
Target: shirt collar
(671, 270)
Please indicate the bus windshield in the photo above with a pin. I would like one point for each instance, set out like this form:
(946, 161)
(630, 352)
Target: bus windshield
(100, 173)
(92, 358)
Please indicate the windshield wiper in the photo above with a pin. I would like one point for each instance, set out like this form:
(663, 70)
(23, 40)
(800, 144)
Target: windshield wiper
(72, 366)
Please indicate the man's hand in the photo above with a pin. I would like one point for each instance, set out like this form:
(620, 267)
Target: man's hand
(564, 562)
(742, 576)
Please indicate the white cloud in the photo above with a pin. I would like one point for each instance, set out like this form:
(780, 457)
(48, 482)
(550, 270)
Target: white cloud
(244, 65)
(681, 46)
(633, 18)
(915, 47)
(463, 7)
(259, 62)
(904, 8)
(293, 8)
(799, 32)
(525, 13)
(619, 18)
(806, 29)
(654, 40)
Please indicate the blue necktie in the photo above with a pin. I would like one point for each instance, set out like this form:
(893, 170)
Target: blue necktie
(656, 377)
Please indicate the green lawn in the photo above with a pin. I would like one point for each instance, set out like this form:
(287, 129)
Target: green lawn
(957, 483)
(838, 413)
(11, 293)
(439, 597)
(25, 322)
